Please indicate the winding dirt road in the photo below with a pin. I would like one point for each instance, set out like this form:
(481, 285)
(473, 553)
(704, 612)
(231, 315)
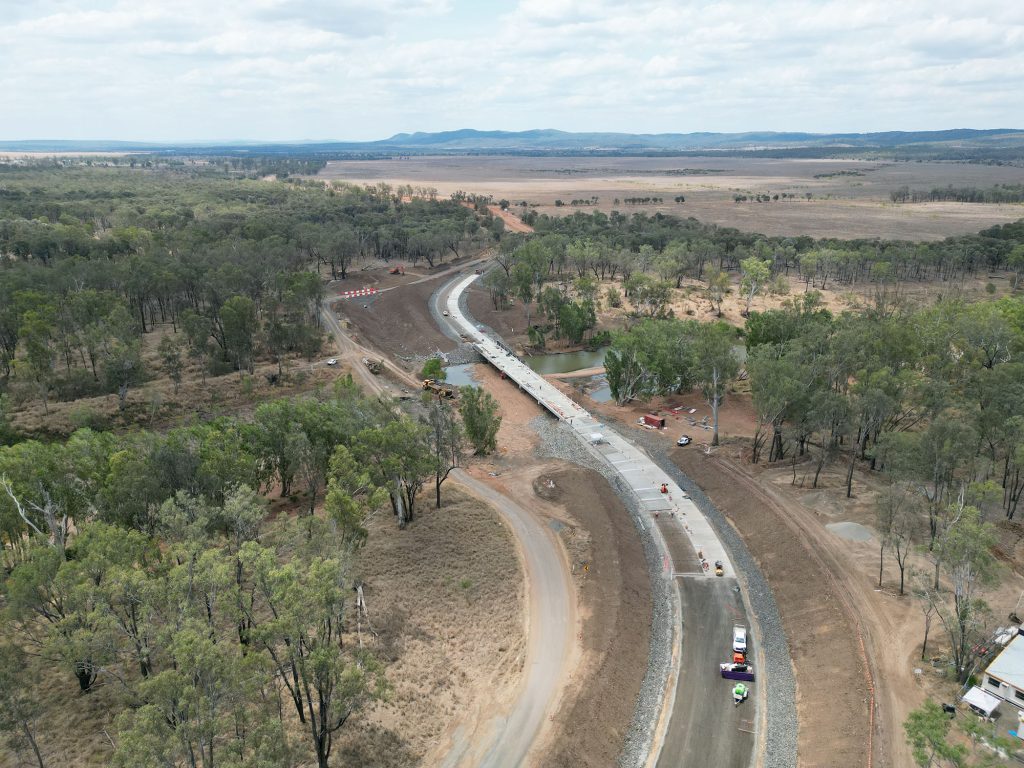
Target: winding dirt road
(507, 736)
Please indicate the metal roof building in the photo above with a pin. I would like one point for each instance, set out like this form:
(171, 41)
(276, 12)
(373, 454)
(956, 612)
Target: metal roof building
(1005, 675)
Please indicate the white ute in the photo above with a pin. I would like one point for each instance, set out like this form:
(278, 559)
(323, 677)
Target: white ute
(739, 639)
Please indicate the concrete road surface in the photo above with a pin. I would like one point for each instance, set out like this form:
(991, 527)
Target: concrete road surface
(707, 729)
(704, 727)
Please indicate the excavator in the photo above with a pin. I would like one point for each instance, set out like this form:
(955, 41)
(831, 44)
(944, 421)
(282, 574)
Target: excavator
(398, 269)
(439, 388)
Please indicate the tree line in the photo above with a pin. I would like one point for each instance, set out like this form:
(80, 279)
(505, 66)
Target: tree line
(1000, 193)
(94, 259)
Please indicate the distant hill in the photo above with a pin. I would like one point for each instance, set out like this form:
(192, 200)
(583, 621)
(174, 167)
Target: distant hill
(469, 139)
(954, 144)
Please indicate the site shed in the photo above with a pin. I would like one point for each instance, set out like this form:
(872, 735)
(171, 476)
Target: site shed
(1005, 675)
(653, 420)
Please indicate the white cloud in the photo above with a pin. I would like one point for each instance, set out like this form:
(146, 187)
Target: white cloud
(281, 69)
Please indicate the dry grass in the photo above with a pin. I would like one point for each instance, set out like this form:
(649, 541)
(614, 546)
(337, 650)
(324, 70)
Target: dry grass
(842, 205)
(446, 596)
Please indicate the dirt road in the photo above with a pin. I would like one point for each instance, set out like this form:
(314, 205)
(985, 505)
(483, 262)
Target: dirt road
(512, 222)
(504, 737)
(508, 737)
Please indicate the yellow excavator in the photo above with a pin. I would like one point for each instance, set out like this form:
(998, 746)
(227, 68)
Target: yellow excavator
(439, 388)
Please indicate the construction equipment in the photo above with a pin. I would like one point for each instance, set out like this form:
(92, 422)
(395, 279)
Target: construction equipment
(743, 672)
(398, 269)
(439, 388)
(374, 366)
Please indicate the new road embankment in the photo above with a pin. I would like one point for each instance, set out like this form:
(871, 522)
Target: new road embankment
(699, 723)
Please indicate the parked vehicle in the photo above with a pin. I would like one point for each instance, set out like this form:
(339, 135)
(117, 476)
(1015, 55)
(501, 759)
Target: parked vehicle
(737, 671)
(332, 361)
(684, 440)
(739, 638)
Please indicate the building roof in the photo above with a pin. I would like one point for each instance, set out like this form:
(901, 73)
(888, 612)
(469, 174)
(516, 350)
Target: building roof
(982, 700)
(1008, 666)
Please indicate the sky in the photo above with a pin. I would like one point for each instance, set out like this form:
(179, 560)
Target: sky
(290, 70)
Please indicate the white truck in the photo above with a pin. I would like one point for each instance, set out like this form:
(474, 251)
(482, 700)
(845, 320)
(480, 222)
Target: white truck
(739, 638)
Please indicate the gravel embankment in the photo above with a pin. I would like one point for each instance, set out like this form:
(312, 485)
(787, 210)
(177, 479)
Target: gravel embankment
(561, 442)
(781, 720)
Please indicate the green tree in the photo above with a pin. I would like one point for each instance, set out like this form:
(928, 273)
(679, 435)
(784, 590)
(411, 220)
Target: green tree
(61, 594)
(480, 418)
(351, 496)
(714, 366)
(433, 369)
(123, 368)
(756, 273)
(8, 435)
(304, 635)
(522, 280)
(238, 316)
(170, 360)
(927, 730)
(897, 510)
(398, 457)
(36, 333)
(717, 288)
(446, 442)
(966, 554)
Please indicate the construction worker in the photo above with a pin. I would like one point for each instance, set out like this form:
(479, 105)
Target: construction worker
(739, 693)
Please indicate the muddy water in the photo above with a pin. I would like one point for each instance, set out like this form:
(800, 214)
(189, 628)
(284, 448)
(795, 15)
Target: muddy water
(567, 361)
(460, 375)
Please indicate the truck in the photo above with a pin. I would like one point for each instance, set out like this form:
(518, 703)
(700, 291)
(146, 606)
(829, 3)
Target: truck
(439, 388)
(739, 638)
(737, 672)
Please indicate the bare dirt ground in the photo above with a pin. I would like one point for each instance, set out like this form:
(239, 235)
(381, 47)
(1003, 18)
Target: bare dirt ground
(512, 222)
(615, 605)
(849, 198)
(397, 322)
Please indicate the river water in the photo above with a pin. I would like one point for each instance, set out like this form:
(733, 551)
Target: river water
(566, 361)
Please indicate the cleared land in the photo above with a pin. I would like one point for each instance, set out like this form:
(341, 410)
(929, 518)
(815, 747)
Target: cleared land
(850, 198)
(614, 592)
